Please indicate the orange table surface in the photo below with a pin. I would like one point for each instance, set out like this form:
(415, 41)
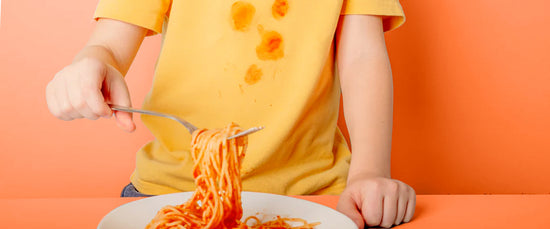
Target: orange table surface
(433, 211)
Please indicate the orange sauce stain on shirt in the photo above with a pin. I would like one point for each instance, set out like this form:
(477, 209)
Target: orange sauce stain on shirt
(253, 75)
(241, 15)
(279, 8)
(272, 47)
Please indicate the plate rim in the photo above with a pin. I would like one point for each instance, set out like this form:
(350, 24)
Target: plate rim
(190, 193)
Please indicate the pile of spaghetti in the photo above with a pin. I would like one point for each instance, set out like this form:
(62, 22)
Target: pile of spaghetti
(216, 203)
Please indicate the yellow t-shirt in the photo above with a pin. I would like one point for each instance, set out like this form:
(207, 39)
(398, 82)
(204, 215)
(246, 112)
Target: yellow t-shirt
(255, 63)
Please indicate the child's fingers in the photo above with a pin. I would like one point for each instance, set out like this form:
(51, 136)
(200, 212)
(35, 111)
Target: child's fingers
(54, 100)
(97, 104)
(401, 205)
(75, 92)
(390, 205)
(348, 207)
(124, 121)
(411, 204)
(119, 95)
(372, 208)
(91, 91)
(91, 84)
(51, 101)
(78, 99)
(66, 110)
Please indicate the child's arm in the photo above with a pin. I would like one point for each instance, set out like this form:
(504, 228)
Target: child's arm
(371, 196)
(95, 78)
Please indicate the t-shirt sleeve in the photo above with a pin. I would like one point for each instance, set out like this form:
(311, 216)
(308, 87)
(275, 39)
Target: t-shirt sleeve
(391, 10)
(149, 14)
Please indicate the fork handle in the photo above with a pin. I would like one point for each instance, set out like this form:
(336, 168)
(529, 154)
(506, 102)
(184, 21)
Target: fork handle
(190, 127)
(129, 109)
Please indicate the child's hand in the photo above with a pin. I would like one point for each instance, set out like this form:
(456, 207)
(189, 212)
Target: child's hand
(83, 89)
(377, 201)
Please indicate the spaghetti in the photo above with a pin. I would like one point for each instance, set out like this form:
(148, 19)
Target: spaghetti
(216, 202)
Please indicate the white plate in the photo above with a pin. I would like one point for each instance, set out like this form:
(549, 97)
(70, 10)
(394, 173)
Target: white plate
(137, 214)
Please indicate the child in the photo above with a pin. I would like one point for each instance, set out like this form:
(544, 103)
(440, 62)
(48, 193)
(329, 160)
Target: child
(256, 63)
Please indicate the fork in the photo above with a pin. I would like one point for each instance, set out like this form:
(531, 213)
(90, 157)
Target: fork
(190, 127)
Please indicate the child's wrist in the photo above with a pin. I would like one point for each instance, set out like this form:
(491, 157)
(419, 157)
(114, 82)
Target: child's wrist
(367, 174)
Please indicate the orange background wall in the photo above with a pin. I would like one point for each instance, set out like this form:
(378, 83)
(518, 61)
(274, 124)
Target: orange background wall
(472, 101)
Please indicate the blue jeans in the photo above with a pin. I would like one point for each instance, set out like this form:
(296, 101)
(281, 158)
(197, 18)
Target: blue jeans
(131, 191)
